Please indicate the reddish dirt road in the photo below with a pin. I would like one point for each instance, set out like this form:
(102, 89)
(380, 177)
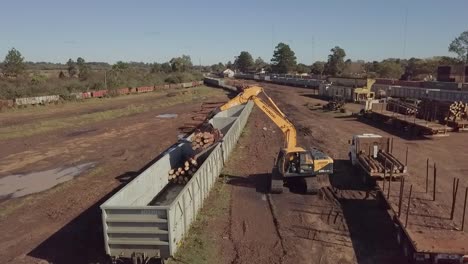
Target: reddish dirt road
(63, 224)
(346, 227)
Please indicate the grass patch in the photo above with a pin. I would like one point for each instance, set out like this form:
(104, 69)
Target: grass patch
(183, 96)
(201, 246)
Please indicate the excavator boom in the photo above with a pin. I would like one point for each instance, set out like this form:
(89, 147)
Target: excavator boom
(272, 111)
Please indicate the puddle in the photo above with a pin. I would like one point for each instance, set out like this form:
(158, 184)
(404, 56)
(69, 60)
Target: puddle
(19, 185)
(167, 115)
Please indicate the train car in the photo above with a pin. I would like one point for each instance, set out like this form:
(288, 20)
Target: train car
(99, 93)
(4, 104)
(38, 100)
(123, 91)
(145, 89)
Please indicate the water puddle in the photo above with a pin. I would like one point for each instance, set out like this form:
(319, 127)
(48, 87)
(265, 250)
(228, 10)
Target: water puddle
(19, 185)
(167, 115)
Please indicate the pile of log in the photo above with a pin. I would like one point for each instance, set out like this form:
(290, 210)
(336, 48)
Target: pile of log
(200, 117)
(458, 111)
(385, 162)
(401, 107)
(182, 174)
(370, 164)
(391, 162)
(433, 110)
(202, 140)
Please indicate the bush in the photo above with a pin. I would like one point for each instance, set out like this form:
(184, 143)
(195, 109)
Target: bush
(39, 84)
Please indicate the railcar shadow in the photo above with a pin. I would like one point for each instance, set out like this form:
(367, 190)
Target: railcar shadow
(370, 226)
(81, 239)
(403, 132)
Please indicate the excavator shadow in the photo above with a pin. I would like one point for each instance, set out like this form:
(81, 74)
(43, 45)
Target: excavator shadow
(261, 182)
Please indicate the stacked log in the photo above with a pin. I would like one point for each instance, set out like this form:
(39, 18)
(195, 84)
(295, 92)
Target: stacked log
(183, 173)
(204, 139)
(391, 162)
(458, 111)
(372, 165)
(401, 107)
(433, 110)
(385, 162)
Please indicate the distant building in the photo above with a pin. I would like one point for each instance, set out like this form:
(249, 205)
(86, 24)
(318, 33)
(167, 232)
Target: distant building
(228, 73)
(452, 73)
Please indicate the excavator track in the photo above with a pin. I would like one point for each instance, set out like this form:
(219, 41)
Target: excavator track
(315, 184)
(276, 185)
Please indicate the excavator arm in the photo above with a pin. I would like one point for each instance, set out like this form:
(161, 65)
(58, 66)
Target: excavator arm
(272, 111)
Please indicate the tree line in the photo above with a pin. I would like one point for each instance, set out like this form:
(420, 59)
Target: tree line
(284, 61)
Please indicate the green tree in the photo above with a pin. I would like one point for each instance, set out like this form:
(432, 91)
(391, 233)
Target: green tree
(13, 65)
(71, 68)
(218, 67)
(460, 46)
(336, 64)
(156, 67)
(166, 67)
(284, 59)
(318, 67)
(244, 62)
(260, 64)
(181, 64)
(302, 68)
(229, 65)
(83, 68)
(120, 66)
(390, 69)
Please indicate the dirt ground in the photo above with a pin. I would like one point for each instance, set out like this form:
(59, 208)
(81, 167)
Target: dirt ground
(346, 226)
(63, 224)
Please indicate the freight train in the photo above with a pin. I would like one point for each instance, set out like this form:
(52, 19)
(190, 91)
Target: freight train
(48, 99)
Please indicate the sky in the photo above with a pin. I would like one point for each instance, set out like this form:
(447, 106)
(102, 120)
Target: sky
(217, 31)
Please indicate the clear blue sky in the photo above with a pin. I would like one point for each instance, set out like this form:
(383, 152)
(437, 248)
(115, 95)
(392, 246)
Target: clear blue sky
(216, 31)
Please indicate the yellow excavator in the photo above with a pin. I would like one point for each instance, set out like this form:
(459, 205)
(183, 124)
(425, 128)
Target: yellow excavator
(293, 162)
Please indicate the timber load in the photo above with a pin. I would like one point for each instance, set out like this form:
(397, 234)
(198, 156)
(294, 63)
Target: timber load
(384, 163)
(401, 107)
(183, 173)
(202, 140)
(458, 111)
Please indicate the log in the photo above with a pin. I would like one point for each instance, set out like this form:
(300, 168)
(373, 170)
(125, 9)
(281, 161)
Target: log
(365, 163)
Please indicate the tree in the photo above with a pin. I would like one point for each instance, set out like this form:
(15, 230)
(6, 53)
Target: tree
(302, 68)
(336, 64)
(13, 65)
(229, 65)
(260, 64)
(390, 69)
(166, 67)
(181, 64)
(460, 46)
(71, 67)
(318, 67)
(120, 66)
(83, 68)
(218, 67)
(284, 59)
(244, 62)
(156, 67)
